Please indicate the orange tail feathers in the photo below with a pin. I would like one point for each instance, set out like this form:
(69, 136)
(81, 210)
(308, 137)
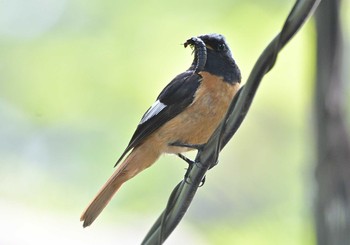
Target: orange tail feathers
(139, 159)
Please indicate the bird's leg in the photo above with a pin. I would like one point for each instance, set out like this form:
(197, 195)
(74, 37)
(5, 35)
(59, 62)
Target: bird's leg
(190, 162)
(186, 159)
(197, 147)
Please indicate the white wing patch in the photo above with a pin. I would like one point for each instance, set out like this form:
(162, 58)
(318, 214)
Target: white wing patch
(153, 111)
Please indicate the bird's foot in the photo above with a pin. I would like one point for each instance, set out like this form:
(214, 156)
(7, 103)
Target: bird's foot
(191, 163)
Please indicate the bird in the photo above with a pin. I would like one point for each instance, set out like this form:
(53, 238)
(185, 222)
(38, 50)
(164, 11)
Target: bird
(183, 117)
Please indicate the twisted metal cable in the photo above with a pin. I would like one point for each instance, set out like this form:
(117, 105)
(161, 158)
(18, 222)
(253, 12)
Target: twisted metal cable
(181, 197)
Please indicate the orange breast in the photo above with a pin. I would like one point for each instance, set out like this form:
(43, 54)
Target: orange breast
(198, 121)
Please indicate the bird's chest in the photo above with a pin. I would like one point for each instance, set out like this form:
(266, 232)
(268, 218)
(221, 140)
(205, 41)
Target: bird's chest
(209, 106)
(211, 99)
(199, 120)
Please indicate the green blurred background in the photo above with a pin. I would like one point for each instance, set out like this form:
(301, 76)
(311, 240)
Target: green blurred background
(76, 77)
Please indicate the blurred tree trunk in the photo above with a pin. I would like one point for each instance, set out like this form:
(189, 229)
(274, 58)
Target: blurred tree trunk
(332, 206)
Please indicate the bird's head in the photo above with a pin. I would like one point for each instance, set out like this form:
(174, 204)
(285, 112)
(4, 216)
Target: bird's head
(216, 43)
(219, 60)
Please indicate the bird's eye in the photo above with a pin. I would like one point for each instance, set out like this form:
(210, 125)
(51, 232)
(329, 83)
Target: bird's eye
(221, 47)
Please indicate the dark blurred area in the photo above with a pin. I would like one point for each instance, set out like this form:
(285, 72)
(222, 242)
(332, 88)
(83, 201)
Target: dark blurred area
(75, 79)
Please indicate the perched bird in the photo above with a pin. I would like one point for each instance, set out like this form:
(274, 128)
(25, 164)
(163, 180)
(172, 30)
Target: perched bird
(185, 114)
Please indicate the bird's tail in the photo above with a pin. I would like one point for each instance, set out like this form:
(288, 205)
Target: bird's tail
(139, 159)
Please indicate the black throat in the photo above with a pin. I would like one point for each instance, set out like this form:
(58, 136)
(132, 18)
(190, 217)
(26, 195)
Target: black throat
(222, 66)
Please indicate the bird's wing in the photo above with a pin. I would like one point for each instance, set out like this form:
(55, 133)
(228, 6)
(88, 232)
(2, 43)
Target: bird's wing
(174, 98)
